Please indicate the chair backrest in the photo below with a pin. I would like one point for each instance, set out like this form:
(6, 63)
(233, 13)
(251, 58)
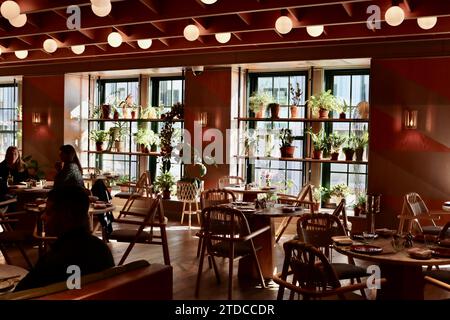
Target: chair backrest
(187, 191)
(339, 212)
(413, 207)
(230, 180)
(214, 197)
(318, 228)
(305, 197)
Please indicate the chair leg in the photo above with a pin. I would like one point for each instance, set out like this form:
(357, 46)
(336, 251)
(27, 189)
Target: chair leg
(190, 214)
(212, 261)
(199, 246)
(182, 212)
(258, 266)
(230, 272)
(200, 270)
(127, 252)
(165, 245)
(283, 230)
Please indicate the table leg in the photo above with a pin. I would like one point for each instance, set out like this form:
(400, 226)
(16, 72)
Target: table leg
(402, 282)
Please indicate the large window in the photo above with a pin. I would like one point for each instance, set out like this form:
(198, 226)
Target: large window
(353, 87)
(288, 174)
(9, 126)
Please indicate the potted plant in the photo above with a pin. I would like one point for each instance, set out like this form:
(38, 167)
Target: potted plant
(319, 142)
(106, 111)
(149, 113)
(123, 183)
(99, 136)
(325, 196)
(363, 109)
(349, 149)
(336, 141)
(250, 139)
(145, 138)
(360, 205)
(296, 98)
(117, 133)
(317, 196)
(323, 104)
(360, 142)
(339, 192)
(258, 102)
(274, 110)
(287, 149)
(164, 183)
(134, 109)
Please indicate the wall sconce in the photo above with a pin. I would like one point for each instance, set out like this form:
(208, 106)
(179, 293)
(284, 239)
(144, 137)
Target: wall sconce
(203, 118)
(39, 118)
(410, 119)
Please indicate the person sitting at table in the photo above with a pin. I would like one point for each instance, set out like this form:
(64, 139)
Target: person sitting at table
(66, 217)
(13, 166)
(69, 171)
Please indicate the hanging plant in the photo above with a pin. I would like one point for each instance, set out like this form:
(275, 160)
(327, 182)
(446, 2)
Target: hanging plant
(167, 131)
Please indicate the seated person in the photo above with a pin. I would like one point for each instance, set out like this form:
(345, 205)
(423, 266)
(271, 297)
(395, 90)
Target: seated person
(66, 217)
(13, 166)
(69, 169)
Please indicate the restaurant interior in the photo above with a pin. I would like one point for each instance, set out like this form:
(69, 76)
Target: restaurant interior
(242, 150)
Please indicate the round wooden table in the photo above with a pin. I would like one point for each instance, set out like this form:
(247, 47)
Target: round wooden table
(11, 275)
(404, 275)
(250, 194)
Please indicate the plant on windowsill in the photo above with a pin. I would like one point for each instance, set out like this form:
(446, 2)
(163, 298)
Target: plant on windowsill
(360, 205)
(164, 183)
(336, 140)
(99, 137)
(317, 197)
(360, 141)
(123, 183)
(349, 149)
(117, 135)
(339, 192)
(296, 98)
(322, 104)
(250, 141)
(145, 139)
(344, 107)
(286, 149)
(319, 142)
(258, 102)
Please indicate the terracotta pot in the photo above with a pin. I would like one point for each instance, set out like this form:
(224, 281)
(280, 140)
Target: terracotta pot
(142, 147)
(274, 110)
(99, 146)
(342, 115)
(294, 111)
(118, 146)
(146, 150)
(166, 194)
(335, 156)
(359, 154)
(106, 111)
(349, 154)
(287, 152)
(133, 114)
(116, 115)
(323, 114)
(357, 211)
(261, 113)
(317, 154)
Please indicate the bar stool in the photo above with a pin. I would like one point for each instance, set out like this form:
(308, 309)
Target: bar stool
(188, 192)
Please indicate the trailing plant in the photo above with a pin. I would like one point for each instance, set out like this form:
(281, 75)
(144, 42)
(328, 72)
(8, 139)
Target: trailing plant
(319, 140)
(324, 101)
(296, 94)
(286, 137)
(167, 132)
(258, 100)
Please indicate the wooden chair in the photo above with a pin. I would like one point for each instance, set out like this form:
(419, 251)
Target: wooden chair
(304, 198)
(317, 230)
(442, 284)
(341, 213)
(135, 229)
(226, 181)
(307, 272)
(414, 211)
(226, 233)
(141, 189)
(9, 235)
(188, 193)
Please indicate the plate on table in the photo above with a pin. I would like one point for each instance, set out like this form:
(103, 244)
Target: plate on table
(342, 240)
(384, 232)
(242, 204)
(420, 253)
(441, 252)
(361, 237)
(366, 249)
(6, 285)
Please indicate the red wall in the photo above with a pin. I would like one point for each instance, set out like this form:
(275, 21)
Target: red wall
(403, 161)
(43, 94)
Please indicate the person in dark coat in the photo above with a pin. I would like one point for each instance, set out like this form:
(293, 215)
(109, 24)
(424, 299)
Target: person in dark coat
(13, 166)
(69, 169)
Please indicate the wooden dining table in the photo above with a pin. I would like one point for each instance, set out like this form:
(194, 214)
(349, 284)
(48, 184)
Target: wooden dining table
(250, 194)
(404, 274)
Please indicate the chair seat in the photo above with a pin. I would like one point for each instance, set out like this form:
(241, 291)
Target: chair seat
(441, 275)
(349, 271)
(240, 249)
(434, 230)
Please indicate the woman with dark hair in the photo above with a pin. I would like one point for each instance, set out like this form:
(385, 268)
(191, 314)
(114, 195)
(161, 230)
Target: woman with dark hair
(13, 166)
(69, 169)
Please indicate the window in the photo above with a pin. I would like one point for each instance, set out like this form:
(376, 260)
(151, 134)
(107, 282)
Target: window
(353, 87)
(277, 85)
(166, 92)
(10, 134)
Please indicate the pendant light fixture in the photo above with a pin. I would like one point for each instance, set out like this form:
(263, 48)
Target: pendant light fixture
(21, 54)
(78, 49)
(50, 45)
(144, 43)
(283, 25)
(19, 21)
(394, 16)
(315, 31)
(191, 32)
(115, 39)
(223, 37)
(10, 9)
(209, 1)
(427, 23)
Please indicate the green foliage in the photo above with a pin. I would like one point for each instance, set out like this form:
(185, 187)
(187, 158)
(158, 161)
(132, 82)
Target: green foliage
(319, 140)
(33, 167)
(119, 131)
(286, 137)
(340, 190)
(336, 140)
(165, 181)
(99, 135)
(258, 99)
(324, 100)
(360, 141)
(147, 137)
(360, 201)
(296, 94)
(123, 179)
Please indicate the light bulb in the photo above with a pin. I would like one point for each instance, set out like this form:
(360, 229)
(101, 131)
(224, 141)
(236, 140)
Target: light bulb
(100, 3)
(21, 54)
(50, 45)
(144, 43)
(19, 21)
(314, 31)
(191, 32)
(102, 11)
(223, 37)
(209, 1)
(394, 16)
(78, 49)
(115, 39)
(283, 25)
(10, 10)
(427, 23)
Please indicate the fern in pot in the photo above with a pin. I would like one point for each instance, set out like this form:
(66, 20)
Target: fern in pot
(145, 139)
(360, 142)
(286, 149)
(258, 102)
(349, 149)
(336, 141)
(99, 136)
(319, 142)
(322, 104)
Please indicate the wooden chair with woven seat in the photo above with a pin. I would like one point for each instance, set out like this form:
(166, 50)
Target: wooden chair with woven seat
(226, 233)
(141, 189)
(307, 272)
(317, 230)
(227, 181)
(188, 193)
(303, 199)
(414, 211)
(133, 229)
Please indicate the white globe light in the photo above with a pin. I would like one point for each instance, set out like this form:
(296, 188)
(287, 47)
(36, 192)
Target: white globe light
(209, 1)
(283, 25)
(191, 32)
(19, 21)
(115, 39)
(314, 31)
(101, 11)
(145, 43)
(427, 23)
(50, 45)
(394, 16)
(21, 54)
(78, 49)
(100, 3)
(223, 37)
(10, 10)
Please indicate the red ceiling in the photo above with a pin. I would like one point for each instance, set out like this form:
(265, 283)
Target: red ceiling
(251, 23)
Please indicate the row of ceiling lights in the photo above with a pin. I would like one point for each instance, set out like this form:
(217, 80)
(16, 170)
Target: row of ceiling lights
(394, 16)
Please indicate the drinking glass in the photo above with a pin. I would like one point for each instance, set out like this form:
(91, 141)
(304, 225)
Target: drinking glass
(429, 240)
(368, 236)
